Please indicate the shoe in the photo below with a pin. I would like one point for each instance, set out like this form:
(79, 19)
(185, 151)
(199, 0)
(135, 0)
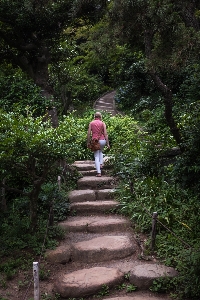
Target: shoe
(98, 175)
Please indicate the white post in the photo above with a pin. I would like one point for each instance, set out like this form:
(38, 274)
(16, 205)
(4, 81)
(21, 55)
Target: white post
(59, 182)
(36, 281)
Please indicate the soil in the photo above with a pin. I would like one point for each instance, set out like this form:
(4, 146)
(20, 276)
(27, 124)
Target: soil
(21, 286)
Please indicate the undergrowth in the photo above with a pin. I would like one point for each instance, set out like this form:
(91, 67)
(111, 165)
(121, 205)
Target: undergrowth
(148, 182)
(151, 181)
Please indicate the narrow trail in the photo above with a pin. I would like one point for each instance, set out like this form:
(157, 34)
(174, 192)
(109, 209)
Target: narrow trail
(106, 103)
(100, 253)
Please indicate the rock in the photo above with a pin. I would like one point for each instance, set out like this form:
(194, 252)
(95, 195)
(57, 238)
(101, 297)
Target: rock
(84, 166)
(81, 196)
(95, 224)
(105, 194)
(87, 282)
(138, 297)
(143, 275)
(93, 182)
(104, 248)
(94, 207)
(61, 254)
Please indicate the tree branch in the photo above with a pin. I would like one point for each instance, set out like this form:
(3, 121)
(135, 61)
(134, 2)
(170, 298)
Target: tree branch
(8, 188)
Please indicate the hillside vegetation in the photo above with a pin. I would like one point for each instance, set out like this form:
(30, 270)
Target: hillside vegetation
(57, 58)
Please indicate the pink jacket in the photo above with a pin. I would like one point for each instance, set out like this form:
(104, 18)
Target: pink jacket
(97, 130)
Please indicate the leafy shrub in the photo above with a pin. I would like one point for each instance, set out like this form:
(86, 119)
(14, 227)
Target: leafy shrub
(21, 95)
(147, 184)
(52, 196)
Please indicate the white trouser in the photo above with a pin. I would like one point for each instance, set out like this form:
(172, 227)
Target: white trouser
(98, 156)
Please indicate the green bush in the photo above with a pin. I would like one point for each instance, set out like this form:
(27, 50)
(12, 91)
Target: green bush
(21, 95)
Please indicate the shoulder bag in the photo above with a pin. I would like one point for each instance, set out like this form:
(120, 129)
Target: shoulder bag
(94, 143)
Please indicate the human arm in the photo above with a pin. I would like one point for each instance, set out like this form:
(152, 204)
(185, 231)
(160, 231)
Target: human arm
(106, 135)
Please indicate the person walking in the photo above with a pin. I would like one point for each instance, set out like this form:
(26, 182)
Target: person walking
(97, 129)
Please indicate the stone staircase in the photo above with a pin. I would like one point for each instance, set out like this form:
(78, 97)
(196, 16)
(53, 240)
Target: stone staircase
(100, 249)
(106, 103)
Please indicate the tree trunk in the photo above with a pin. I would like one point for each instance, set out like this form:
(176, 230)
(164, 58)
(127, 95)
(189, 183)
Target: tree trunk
(41, 78)
(36, 188)
(34, 201)
(167, 94)
(37, 69)
(33, 208)
(166, 91)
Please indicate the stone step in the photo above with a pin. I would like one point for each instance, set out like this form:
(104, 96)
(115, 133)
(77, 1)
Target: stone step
(94, 207)
(95, 224)
(84, 166)
(106, 108)
(106, 103)
(90, 182)
(103, 248)
(81, 196)
(61, 255)
(86, 282)
(101, 101)
(93, 172)
(90, 195)
(83, 162)
(90, 172)
(101, 108)
(105, 194)
(143, 275)
(144, 296)
(89, 165)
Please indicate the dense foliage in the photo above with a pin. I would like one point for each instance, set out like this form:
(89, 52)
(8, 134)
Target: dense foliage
(149, 52)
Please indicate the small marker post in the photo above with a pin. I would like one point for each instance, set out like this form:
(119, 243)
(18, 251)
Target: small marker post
(36, 281)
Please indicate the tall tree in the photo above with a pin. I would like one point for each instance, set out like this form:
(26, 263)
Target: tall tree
(167, 32)
(31, 29)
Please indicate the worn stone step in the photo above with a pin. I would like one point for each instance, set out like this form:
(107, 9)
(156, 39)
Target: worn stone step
(89, 165)
(90, 195)
(144, 296)
(100, 101)
(107, 100)
(60, 255)
(86, 282)
(103, 248)
(101, 108)
(95, 224)
(81, 196)
(84, 166)
(90, 182)
(83, 162)
(90, 172)
(94, 207)
(143, 275)
(105, 106)
(105, 193)
(93, 172)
